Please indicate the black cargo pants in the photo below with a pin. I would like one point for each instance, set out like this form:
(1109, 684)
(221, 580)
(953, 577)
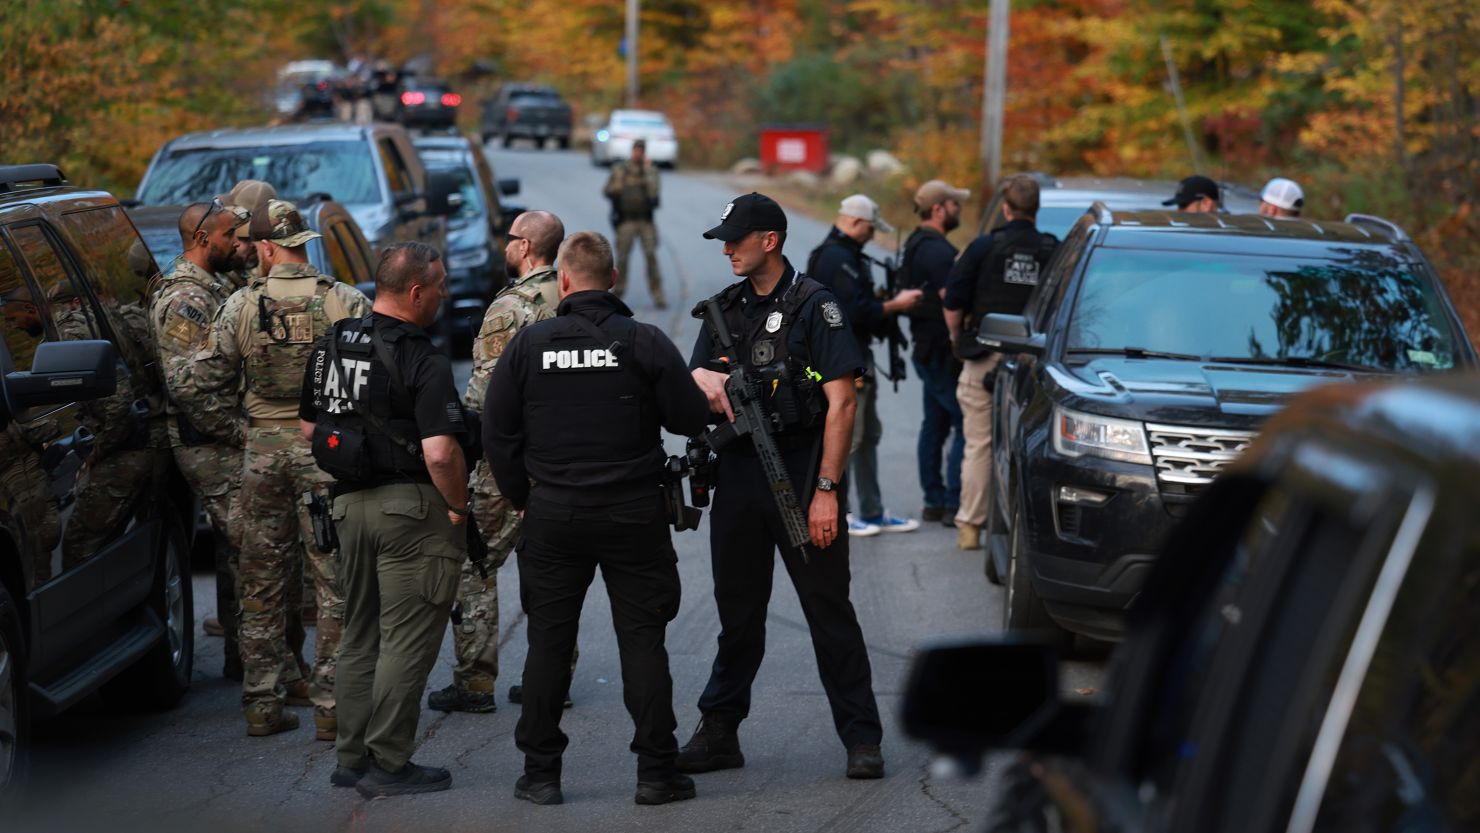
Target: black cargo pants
(745, 530)
(563, 545)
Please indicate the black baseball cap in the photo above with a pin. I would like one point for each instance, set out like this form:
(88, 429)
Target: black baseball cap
(1192, 189)
(743, 215)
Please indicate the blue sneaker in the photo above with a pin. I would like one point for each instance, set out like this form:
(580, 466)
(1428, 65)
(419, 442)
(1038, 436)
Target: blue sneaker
(859, 529)
(888, 523)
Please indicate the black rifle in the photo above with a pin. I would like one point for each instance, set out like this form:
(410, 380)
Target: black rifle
(894, 335)
(752, 421)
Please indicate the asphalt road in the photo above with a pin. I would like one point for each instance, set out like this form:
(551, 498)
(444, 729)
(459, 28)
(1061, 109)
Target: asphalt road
(194, 769)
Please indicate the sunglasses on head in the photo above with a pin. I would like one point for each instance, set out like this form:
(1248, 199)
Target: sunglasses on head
(242, 215)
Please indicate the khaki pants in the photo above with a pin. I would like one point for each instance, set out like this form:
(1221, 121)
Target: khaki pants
(627, 231)
(976, 425)
(399, 559)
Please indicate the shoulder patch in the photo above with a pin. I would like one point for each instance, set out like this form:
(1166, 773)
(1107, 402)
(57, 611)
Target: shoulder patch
(832, 314)
(185, 324)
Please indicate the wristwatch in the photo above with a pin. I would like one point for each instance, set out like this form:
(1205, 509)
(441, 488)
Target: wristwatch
(825, 484)
(463, 512)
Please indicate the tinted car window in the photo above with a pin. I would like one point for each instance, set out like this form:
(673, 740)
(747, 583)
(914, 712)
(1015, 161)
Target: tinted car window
(66, 304)
(107, 236)
(334, 250)
(24, 329)
(1360, 307)
(341, 169)
(467, 185)
(1407, 759)
(1059, 219)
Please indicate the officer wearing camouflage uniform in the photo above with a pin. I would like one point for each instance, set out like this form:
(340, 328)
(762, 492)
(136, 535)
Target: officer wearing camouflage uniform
(183, 303)
(633, 191)
(244, 196)
(534, 237)
(263, 336)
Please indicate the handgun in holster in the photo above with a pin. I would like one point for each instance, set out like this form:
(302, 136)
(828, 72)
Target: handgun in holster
(319, 513)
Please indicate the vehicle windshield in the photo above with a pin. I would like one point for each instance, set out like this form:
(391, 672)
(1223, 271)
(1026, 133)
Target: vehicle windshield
(1356, 307)
(472, 198)
(342, 169)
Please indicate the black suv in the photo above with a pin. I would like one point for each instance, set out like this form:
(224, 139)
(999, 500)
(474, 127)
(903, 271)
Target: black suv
(1304, 657)
(1148, 358)
(94, 518)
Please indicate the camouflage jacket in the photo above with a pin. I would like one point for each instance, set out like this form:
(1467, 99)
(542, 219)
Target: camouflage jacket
(531, 298)
(633, 191)
(184, 302)
(299, 304)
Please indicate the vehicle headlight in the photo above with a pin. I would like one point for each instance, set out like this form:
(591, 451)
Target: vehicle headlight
(467, 258)
(1076, 434)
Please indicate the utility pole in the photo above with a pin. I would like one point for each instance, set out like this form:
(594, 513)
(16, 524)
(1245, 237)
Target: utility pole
(1176, 81)
(994, 94)
(631, 53)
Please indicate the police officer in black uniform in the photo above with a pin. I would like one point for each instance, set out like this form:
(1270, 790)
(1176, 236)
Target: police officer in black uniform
(384, 417)
(789, 330)
(576, 405)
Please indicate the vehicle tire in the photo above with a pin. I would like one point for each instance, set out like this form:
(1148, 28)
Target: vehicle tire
(487, 137)
(564, 142)
(507, 140)
(1022, 610)
(162, 676)
(15, 710)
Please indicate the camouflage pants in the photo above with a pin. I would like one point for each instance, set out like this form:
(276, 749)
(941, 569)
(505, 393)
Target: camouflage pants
(475, 640)
(629, 231)
(277, 540)
(214, 473)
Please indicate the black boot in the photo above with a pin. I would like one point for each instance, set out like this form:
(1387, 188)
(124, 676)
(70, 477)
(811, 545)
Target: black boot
(715, 745)
(412, 778)
(672, 788)
(865, 761)
(538, 793)
(454, 699)
(346, 776)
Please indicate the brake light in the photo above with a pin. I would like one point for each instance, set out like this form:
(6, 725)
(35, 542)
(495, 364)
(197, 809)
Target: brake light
(323, 85)
(512, 114)
(413, 98)
(451, 99)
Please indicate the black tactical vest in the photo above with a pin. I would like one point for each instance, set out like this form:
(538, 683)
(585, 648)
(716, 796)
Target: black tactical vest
(1009, 274)
(790, 388)
(348, 444)
(930, 307)
(587, 400)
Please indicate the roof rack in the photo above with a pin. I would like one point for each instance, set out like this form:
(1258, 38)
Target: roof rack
(1102, 212)
(41, 175)
(1386, 225)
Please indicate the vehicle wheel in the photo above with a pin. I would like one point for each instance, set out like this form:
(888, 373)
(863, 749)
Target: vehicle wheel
(1023, 611)
(15, 718)
(564, 143)
(161, 677)
(508, 140)
(487, 137)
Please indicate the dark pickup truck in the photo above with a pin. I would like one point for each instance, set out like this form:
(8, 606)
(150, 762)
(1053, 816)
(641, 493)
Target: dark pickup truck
(526, 111)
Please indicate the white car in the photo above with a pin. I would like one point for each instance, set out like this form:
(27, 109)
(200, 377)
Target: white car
(614, 140)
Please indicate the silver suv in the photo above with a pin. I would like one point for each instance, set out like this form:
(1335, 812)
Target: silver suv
(372, 169)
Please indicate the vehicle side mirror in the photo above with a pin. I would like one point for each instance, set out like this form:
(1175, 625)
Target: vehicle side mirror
(509, 187)
(62, 372)
(1009, 334)
(966, 698)
(441, 185)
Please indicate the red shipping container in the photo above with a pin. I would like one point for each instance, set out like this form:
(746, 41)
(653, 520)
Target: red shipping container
(794, 147)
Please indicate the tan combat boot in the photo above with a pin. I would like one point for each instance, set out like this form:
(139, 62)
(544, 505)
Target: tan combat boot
(326, 726)
(298, 693)
(968, 536)
(262, 724)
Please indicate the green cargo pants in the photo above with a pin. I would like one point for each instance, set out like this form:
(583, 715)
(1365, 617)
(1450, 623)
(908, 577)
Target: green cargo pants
(399, 559)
